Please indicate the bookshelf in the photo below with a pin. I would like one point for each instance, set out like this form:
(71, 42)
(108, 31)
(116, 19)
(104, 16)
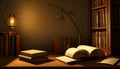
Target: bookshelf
(104, 23)
(99, 24)
(9, 43)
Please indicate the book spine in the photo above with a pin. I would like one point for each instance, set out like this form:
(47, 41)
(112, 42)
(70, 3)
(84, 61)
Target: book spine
(94, 18)
(100, 40)
(94, 36)
(35, 60)
(59, 45)
(34, 55)
(101, 20)
(17, 44)
(12, 45)
(104, 39)
(67, 43)
(98, 18)
(94, 3)
(1, 45)
(97, 39)
(6, 44)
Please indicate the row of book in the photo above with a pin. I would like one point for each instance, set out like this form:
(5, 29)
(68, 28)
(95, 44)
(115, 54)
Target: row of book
(97, 3)
(9, 44)
(99, 39)
(61, 44)
(98, 18)
(33, 55)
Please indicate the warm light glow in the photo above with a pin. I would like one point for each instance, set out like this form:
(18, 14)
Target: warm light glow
(11, 22)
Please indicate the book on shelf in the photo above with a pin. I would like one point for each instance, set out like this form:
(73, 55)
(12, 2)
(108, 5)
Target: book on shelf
(1, 45)
(12, 45)
(103, 39)
(8, 43)
(61, 44)
(81, 52)
(110, 61)
(17, 44)
(102, 18)
(94, 18)
(97, 3)
(33, 53)
(93, 39)
(98, 18)
(99, 39)
(94, 3)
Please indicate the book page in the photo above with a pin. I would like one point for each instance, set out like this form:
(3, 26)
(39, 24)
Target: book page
(65, 59)
(76, 53)
(86, 47)
(110, 60)
(93, 51)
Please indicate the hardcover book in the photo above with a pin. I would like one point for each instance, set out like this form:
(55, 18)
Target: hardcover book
(33, 53)
(34, 60)
(82, 51)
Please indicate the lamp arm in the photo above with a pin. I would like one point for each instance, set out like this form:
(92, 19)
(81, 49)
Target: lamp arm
(74, 23)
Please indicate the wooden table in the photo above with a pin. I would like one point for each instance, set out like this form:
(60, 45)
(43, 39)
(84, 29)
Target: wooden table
(15, 62)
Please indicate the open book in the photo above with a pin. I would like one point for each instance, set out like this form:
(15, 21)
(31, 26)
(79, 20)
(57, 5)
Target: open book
(82, 51)
(111, 61)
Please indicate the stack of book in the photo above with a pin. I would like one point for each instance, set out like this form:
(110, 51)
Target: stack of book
(33, 55)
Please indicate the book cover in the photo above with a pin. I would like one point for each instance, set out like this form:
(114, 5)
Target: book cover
(31, 58)
(17, 44)
(12, 45)
(33, 53)
(1, 45)
(34, 60)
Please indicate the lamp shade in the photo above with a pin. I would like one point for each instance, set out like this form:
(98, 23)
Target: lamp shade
(11, 21)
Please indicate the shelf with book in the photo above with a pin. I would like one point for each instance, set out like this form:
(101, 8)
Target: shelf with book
(99, 39)
(99, 26)
(10, 42)
(98, 18)
(105, 18)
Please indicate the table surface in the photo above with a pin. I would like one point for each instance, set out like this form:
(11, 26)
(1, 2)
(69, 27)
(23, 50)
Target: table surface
(15, 62)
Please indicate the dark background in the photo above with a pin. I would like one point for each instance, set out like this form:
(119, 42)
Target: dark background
(38, 24)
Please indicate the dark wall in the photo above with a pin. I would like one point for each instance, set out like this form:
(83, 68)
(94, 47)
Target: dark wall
(38, 24)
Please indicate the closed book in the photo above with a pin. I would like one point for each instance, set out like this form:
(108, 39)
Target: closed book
(6, 44)
(1, 45)
(31, 58)
(12, 45)
(33, 53)
(17, 44)
(34, 60)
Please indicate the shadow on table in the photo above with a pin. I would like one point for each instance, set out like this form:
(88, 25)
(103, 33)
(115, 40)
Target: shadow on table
(4, 60)
(37, 63)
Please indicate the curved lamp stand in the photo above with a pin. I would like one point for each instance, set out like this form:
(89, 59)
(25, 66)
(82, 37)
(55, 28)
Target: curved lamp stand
(74, 23)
